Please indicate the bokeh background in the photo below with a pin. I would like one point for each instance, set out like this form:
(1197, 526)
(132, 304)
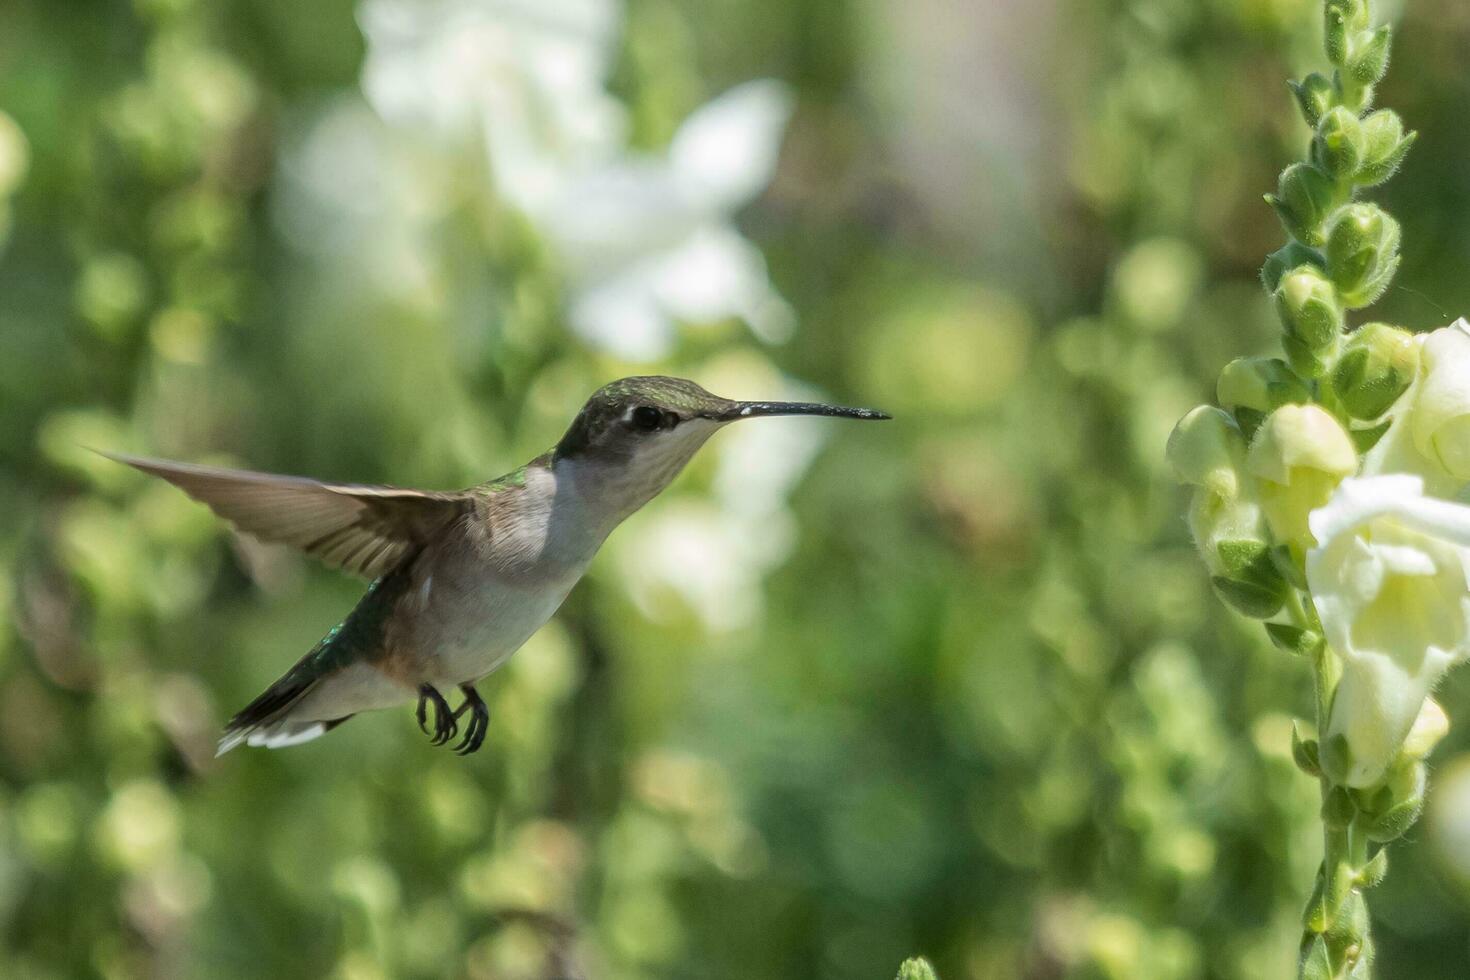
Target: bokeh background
(953, 685)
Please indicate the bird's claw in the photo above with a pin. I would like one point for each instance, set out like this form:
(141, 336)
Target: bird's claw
(474, 734)
(445, 725)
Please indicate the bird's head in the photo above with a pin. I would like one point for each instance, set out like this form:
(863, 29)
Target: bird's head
(638, 433)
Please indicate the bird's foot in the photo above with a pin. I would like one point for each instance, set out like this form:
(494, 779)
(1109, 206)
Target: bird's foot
(474, 735)
(445, 725)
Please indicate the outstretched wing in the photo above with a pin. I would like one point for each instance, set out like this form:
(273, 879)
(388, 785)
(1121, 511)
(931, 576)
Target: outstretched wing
(362, 529)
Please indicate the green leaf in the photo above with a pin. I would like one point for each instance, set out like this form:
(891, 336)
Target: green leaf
(1392, 824)
(1337, 757)
(1316, 965)
(1373, 872)
(1294, 640)
(1366, 439)
(1248, 598)
(1304, 752)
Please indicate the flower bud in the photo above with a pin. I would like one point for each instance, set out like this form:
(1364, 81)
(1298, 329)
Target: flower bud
(1384, 147)
(1261, 384)
(1206, 450)
(1440, 419)
(1344, 20)
(1315, 95)
(1362, 253)
(1307, 303)
(1339, 145)
(1300, 455)
(1304, 197)
(1375, 369)
(1368, 62)
(1284, 259)
(1430, 727)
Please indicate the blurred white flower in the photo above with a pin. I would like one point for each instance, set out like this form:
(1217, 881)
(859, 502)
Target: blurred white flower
(645, 241)
(1388, 577)
(1449, 817)
(526, 77)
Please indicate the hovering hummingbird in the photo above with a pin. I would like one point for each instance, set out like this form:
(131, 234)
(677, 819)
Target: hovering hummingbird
(460, 580)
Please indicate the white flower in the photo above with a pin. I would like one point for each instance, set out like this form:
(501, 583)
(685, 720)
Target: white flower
(1430, 430)
(1440, 418)
(645, 241)
(648, 243)
(1388, 577)
(526, 76)
(1298, 456)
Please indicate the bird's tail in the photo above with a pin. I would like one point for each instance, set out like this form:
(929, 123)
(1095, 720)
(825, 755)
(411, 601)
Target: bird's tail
(266, 721)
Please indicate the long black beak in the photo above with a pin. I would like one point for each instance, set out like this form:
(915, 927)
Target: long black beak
(750, 410)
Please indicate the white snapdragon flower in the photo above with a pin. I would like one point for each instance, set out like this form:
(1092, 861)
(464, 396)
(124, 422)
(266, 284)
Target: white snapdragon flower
(1429, 435)
(1440, 418)
(1298, 457)
(1388, 577)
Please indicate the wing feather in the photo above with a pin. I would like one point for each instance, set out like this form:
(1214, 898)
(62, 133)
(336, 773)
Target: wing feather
(362, 529)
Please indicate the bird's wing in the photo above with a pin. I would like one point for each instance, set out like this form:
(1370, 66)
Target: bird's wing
(362, 529)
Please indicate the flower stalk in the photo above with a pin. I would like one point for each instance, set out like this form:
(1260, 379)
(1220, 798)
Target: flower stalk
(1324, 488)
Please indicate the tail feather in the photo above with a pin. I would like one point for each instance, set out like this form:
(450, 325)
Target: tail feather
(276, 734)
(266, 721)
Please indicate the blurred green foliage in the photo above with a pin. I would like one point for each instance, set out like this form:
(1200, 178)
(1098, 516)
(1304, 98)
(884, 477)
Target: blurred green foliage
(977, 701)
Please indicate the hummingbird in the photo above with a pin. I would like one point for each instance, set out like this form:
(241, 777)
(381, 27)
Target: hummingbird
(460, 579)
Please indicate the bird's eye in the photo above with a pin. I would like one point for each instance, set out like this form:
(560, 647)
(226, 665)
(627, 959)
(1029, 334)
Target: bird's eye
(646, 418)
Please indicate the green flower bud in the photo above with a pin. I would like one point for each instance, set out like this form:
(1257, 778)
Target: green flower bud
(1304, 197)
(1369, 61)
(1384, 147)
(1344, 20)
(1339, 145)
(1314, 95)
(917, 968)
(1286, 258)
(1362, 253)
(1307, 303)
(1253, 386)
(1300, 455)
(1376, 367)
(1430, 727)
(1206, 450)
